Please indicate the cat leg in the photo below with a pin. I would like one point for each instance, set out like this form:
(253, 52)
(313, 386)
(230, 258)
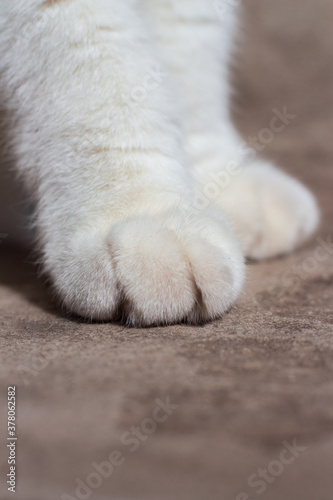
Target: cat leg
(98, 143)
(271, 212)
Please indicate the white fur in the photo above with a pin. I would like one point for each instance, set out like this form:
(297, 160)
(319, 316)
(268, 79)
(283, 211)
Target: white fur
(272, 214)
(117, 113)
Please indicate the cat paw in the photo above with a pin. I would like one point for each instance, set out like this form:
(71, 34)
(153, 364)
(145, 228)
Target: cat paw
(272, 214)
(153, 270)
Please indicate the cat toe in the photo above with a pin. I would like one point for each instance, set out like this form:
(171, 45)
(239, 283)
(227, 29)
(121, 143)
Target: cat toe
(272, 213)
(172, 269)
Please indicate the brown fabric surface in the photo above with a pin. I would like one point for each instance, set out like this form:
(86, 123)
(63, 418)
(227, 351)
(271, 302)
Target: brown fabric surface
(260, 376)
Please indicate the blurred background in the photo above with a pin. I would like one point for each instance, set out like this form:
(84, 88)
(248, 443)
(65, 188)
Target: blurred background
(245, 385)
(286, 58)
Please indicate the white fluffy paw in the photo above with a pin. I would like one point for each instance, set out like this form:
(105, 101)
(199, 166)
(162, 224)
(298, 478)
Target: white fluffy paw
(272, 213)
(160, 269)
